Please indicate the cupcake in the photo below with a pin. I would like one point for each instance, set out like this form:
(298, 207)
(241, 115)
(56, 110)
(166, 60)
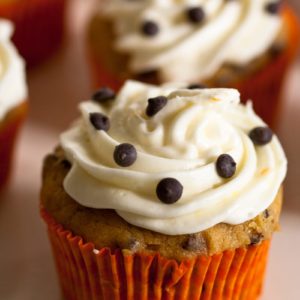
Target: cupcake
(163, 193)
(13, 95)
(38, 26)
(247, 45)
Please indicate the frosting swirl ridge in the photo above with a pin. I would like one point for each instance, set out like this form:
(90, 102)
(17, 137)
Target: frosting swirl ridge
(13, 89)
(230, 33)
(182, 141)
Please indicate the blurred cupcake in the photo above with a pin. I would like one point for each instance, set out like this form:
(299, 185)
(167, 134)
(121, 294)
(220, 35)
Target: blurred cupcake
(39, 26)
(244, 44)
(163, 193)
(13, 95)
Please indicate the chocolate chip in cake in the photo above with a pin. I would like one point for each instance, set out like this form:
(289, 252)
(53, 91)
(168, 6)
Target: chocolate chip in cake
(266, 214)
(155, 105)
(261, 135)
(194, 243)
(125, 155)
(196, 86)
(195, 14)
(67, 165)
(103, 95)
(150, 28)
(277, 49)
(133, 245)
(226, 166)
(273, 7)
(256, 238)
(153, 247)
(100, 121)
(169, 190)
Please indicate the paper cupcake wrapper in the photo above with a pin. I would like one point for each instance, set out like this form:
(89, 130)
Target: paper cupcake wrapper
(87, 273)
(38, 26)
(263, 88)
(9, 130)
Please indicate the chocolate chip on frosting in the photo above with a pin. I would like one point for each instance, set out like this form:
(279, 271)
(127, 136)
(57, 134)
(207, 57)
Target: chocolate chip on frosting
(196, 86)
(225, 166)
(125, 155)
(261, 135)
(196, 14)
(169, 190)
(103, 95)
(155, 105)
(273, 7)
(150, 28)
(100, 121)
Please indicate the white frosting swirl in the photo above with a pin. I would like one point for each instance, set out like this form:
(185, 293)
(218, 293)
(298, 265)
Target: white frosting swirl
(181, 141)
(13, 88)
(233, 32)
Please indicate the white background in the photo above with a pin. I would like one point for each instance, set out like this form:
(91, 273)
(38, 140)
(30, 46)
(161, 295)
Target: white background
(26, 266)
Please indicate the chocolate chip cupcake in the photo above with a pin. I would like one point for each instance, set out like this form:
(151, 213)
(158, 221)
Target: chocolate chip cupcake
(13, 96)
(247, 45)
(163, 193)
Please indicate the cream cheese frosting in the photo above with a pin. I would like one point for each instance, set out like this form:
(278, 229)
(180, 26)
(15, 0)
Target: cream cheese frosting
(13, 88)
(234, 32)
(182, 141)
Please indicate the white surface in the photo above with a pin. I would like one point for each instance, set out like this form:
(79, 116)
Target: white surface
(26, 266)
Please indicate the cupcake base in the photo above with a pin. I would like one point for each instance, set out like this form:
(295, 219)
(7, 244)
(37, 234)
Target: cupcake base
(9, 129)
(38, 27)
(87, 273)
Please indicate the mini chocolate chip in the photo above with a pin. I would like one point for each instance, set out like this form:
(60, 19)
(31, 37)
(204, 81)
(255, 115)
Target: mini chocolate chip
(155, 105)
(100, 121)
(266, 214)
(153, 247)
(150, 28)
(256, 238)
(276, 49)
(66, 164)
(133, 244)
(261, 135)
(196, 86)
(196, 14)
(225, 166)
(273, 7)
(103, 95)
(125, 155)
(194, 243)
(169, 190)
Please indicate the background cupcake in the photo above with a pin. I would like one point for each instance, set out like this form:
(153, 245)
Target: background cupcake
(13, 93)
(218, 43)
(39, 26)
(163, 192)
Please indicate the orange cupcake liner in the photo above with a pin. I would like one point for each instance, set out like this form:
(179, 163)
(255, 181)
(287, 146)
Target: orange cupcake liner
(9, 130)
(263, 88)
(87, 273)
(38, 27)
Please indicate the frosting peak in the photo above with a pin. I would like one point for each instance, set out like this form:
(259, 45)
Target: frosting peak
(13, 88)
(221, 32)
(182, 141)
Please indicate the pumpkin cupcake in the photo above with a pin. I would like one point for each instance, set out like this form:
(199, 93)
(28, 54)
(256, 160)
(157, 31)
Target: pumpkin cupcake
(247, 45)
(39, 26)
(163, 193)
(13, 95)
